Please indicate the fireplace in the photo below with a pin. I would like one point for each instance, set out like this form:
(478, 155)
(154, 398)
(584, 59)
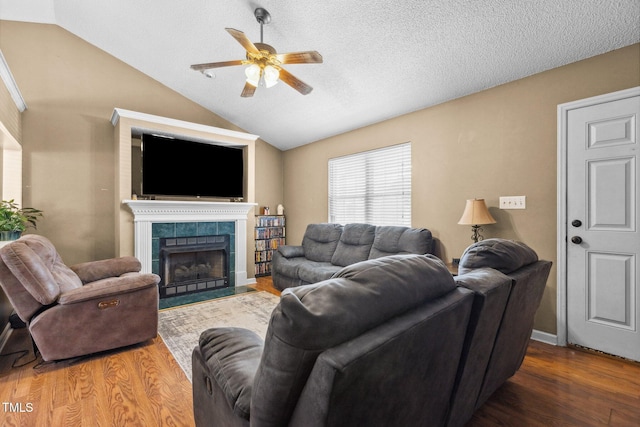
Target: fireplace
(156, 219)
(193, 264)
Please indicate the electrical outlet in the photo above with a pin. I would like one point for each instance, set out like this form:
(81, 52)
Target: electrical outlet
(513, 202)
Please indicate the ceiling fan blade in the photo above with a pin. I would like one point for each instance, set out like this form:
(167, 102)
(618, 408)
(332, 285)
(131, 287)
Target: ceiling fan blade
(308, 57)
(295, 82)
(243, 40)
(210, 65)
(248, 90)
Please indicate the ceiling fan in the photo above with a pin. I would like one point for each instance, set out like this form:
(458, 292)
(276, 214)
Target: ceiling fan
(264, 63)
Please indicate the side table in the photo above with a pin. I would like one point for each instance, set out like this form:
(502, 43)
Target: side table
(453, 268)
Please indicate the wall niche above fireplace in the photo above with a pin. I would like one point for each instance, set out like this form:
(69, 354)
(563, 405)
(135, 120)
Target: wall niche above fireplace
(128, 126)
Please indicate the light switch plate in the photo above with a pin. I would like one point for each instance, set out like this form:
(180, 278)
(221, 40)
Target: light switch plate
(513, 202)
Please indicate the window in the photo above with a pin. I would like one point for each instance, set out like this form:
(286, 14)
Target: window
(372, 187)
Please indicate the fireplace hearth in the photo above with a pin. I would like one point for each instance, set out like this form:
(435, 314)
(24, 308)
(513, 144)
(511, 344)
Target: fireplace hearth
(193, 264)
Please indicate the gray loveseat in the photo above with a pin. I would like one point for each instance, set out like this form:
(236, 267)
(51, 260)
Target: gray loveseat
(327, 248)
(389, 341)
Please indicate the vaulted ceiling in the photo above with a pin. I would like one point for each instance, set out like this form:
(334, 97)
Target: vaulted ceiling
(381, 58)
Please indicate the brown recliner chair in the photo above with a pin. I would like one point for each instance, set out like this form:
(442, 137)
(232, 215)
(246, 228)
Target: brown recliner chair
(85, 309)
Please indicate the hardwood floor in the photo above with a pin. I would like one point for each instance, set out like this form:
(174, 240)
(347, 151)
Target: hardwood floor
(265, 284)
(567, 387)
(137, 386)
(144, 386)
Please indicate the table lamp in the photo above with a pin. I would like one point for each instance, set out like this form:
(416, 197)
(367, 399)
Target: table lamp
(476, 214)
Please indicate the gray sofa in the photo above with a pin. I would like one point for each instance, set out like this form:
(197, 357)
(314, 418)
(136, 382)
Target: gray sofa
(327, 248)
(345, 351)
(501, 319)
(389, 341)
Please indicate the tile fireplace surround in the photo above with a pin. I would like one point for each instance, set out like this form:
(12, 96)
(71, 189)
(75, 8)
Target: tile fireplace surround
(187, 215)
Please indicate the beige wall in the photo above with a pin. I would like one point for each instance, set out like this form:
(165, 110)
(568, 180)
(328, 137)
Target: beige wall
(269, 169)
(499, 142)
(71, 89)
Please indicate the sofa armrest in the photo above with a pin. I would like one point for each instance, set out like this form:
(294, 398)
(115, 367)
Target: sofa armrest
(95, 270)
(290, 251)
(110, 287)
(232, 356)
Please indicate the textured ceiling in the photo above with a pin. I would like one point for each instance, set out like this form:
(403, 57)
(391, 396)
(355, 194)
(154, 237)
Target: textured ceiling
(381, 58)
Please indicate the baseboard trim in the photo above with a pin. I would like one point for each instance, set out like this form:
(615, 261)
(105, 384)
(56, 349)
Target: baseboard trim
(4, 336)
(544, 337)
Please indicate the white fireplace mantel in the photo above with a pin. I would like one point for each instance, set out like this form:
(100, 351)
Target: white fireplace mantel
(147, 212)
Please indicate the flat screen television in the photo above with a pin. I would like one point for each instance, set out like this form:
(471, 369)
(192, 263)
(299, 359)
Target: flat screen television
(179, 167)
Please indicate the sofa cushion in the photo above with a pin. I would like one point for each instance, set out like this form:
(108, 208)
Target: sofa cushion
(391, 240)
(92, 271)
(313, 272)
(33, 260)
(399, 373)
(288, 266)
(312, 318)
(354, 245)
(503, 255)
(320, 241)
(232, 356)
(491, 292)
(358, 297)
(291, 251)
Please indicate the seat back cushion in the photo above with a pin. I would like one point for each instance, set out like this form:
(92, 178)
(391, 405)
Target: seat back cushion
(515, 329)
(391, 240)
(320, 241)
(400, 373)
(503, 255)
(354, 244)
(35, 265)
(312, 318)
(491, 292)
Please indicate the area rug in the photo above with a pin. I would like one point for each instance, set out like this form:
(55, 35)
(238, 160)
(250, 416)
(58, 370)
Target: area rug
(180, 327)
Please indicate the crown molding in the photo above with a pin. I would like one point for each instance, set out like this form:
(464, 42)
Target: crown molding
(179, 124)
(10, 83)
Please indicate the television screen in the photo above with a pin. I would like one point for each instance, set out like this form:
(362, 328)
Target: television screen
(178, 167)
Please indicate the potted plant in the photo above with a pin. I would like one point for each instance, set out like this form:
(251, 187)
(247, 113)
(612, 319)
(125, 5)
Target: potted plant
(14, 219)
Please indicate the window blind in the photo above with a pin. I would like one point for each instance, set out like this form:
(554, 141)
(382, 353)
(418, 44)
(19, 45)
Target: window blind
(371, 187)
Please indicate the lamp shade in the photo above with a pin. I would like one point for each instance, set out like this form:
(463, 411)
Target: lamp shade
(253, 73)
(476, 213)
(271, 75)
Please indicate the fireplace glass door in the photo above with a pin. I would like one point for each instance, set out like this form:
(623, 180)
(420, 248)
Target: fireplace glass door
(193, 264)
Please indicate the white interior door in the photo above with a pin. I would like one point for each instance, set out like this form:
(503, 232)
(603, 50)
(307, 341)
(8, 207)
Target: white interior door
(603, 221)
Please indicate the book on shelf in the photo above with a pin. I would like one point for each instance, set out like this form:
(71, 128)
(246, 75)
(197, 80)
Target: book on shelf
(268, 233)
(270, 221)
(264, 256)
(263, 269)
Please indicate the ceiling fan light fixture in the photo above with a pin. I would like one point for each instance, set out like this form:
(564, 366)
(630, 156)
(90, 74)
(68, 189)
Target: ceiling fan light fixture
(271, 75)
(264, 64)
(253, 73)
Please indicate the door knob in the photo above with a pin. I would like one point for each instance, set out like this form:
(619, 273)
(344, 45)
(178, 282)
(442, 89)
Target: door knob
(576, 239)
(576, 223)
